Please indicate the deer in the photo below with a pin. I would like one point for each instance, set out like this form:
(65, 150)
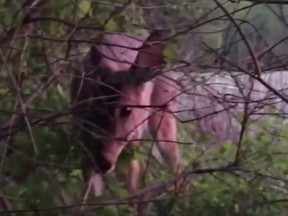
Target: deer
(121, 92)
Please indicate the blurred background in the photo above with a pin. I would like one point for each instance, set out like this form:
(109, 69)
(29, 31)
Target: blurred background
(231, 62)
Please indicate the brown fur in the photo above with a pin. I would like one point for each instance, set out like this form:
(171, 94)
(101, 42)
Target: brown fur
(106, 113)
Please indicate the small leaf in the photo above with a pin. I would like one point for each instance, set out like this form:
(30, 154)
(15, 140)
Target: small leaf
(111, 211)
(85, 8)
(7, 20)
(60, 90)
(171, 53)
(44, 185)
(77, 173)
(111, 25)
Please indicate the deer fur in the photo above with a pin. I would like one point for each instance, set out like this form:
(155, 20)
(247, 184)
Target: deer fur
(129, 72)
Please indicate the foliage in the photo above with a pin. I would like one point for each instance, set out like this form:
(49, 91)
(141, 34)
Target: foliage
(41, 154)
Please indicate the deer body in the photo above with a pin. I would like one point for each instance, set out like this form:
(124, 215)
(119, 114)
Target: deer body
(116, 103)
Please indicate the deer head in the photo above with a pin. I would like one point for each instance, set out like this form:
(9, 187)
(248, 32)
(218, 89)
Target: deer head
(112, 97)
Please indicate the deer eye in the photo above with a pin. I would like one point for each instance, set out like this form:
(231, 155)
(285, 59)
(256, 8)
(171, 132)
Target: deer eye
(125, 111)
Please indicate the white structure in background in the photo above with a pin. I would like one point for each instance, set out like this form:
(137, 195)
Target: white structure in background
(216, 99)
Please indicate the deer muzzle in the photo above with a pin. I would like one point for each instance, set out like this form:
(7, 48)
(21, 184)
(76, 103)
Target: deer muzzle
(107, 159)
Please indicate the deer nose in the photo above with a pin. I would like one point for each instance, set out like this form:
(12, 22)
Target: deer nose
(103, 165)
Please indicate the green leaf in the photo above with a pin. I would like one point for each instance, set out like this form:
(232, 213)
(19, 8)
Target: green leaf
(6, 19)
(111, 211)
(60, 91)
(228, 148)
(77, 173)
(111, 25)
(85, 8)
(170, 53)
(44, 185)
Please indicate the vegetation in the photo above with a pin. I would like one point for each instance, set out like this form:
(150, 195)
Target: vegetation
(40, 152)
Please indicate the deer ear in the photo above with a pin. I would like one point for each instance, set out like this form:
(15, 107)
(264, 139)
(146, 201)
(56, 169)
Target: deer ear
(151, 53)
(150, 56)
(94, 55)
(92, 61)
